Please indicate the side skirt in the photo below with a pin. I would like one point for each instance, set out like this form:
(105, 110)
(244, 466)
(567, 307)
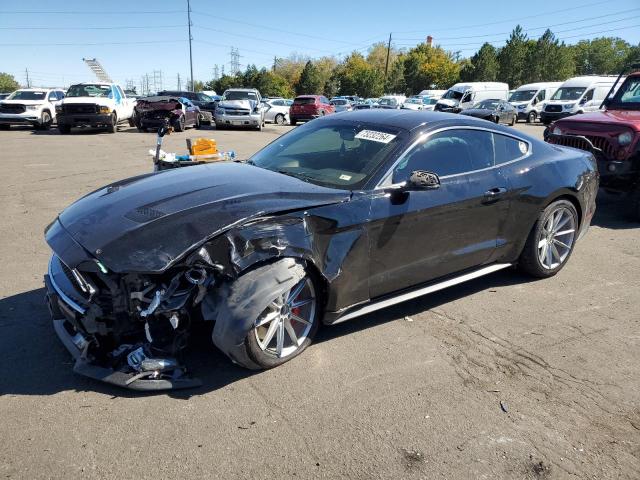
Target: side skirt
(403, 297)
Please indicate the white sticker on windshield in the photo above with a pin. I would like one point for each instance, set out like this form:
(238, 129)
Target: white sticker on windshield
(345, 177)
(374, 136)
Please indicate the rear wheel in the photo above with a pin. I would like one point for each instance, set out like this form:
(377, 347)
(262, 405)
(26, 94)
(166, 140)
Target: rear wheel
(634, 213)
(551, 240)
(532, 116)
(279, 119)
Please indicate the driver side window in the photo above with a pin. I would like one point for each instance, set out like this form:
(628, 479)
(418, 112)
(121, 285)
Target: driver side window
(450, 152)
(587, 96)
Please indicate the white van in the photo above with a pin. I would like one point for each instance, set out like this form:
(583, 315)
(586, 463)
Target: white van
(391, 101)
(577, 95)
(464, 95)
(530, 99)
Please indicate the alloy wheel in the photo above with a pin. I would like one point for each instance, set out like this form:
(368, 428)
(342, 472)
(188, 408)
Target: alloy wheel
(556, 238)
(284, 325)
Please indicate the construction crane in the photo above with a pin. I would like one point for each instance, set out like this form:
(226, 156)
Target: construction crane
(97, 68)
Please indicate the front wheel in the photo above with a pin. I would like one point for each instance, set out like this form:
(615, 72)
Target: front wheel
(293, 122)
(45, 121)
(513, 120)
(198, 123)
(551, 240)
(113, 126)
(531, 117)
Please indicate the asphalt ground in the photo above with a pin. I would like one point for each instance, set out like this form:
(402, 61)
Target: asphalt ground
(502, 377)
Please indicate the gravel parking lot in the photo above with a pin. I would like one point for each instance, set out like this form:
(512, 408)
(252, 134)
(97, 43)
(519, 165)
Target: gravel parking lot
(502, 377)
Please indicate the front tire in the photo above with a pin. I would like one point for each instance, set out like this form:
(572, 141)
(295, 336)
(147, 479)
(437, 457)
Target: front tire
(113, 127)
(45, 121)
(513, 120)
(283, 300)
(293, 122)
(531, 118)
(179, 124)
(551, 240)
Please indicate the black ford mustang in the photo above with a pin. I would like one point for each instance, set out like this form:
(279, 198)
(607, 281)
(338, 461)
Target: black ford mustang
(497, 111)
(342, 216)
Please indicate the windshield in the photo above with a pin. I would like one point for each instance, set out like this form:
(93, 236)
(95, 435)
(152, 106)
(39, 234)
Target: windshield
(430, 101)
(387, 101)
(414, 100)
(628, 95)
(239, 95)
(27, 95)
(522, 95)
(337, 154)
(488, 104)
(568, 93)
(91, 90)
(452, 95)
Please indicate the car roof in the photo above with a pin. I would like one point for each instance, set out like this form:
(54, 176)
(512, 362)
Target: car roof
(419, 121)
(308, 96)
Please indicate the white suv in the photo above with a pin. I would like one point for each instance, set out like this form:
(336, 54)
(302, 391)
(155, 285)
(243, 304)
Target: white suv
(30, 106)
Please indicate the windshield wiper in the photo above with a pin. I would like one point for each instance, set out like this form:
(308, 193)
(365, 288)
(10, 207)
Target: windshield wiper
(298, 175)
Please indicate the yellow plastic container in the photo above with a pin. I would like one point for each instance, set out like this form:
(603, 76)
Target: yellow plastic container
(203, 146)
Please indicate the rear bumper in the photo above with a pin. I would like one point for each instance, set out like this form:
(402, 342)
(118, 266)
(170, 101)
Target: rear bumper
(84, 120)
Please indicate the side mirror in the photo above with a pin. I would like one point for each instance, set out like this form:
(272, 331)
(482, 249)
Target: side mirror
(422, 180)
(534, 102)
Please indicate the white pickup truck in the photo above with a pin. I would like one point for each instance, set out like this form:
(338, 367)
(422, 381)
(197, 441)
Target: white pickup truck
(102, 105)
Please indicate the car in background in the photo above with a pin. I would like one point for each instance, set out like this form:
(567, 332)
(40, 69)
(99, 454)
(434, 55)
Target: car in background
(613, 136)
(308, 107)
(30, 106)
(343, 216)
(432, 93)
(341, 104)
(96, 105)
(391, 101)
(530, 99)
(155, 112)
(577, 95)
(4, 95)
(494, 110)
(465, 95)
(240, 107)
(277, 110)
(366, 104)
(419, 102)
(206, 103)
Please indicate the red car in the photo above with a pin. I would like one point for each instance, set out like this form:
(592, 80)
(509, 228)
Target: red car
(308, 107)
(613, 136)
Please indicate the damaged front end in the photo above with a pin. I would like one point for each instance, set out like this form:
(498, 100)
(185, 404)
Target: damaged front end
(128, 329)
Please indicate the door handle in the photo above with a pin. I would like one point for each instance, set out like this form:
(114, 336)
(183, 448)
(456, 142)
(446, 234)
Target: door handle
(494, 194)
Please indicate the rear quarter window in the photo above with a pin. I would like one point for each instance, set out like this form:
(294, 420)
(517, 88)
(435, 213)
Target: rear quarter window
(508, 149)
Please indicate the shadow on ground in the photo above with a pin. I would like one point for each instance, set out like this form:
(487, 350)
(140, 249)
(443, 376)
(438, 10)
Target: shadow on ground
(35, 363)
(614, 212)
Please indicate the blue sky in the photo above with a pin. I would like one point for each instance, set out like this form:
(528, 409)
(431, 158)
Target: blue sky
(134, 38)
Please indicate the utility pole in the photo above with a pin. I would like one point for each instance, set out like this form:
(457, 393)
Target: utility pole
(386, 65)
(179, 83)
(275, 63)
(26, 71)
(190, 39)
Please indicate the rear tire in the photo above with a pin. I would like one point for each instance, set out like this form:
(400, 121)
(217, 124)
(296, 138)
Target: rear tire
(551, 240)
(634, 204)
(279, 119)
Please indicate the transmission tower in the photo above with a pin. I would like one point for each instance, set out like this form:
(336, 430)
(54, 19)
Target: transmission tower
(157, 80)
(235, 61)
(216, 73)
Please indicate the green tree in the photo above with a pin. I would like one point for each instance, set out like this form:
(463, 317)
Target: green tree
(512, 59)
(8, 83)
(600, 56)
(550, 60)
(485, 64)
(325, 67)
(395, 82)
(290, 68)
(377, 56)
(357, 77)
(428, 67)
(310, 81)
(271, 84)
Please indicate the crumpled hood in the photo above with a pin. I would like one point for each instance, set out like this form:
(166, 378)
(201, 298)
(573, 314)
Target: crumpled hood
(145, 223)
(626, 118)
(107, 102)
(246, 104)
(449, 102)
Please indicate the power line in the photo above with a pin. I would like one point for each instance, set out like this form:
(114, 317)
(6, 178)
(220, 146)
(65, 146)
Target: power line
(104, 12)
(83, 44)
(134, 27)
(545, 27)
